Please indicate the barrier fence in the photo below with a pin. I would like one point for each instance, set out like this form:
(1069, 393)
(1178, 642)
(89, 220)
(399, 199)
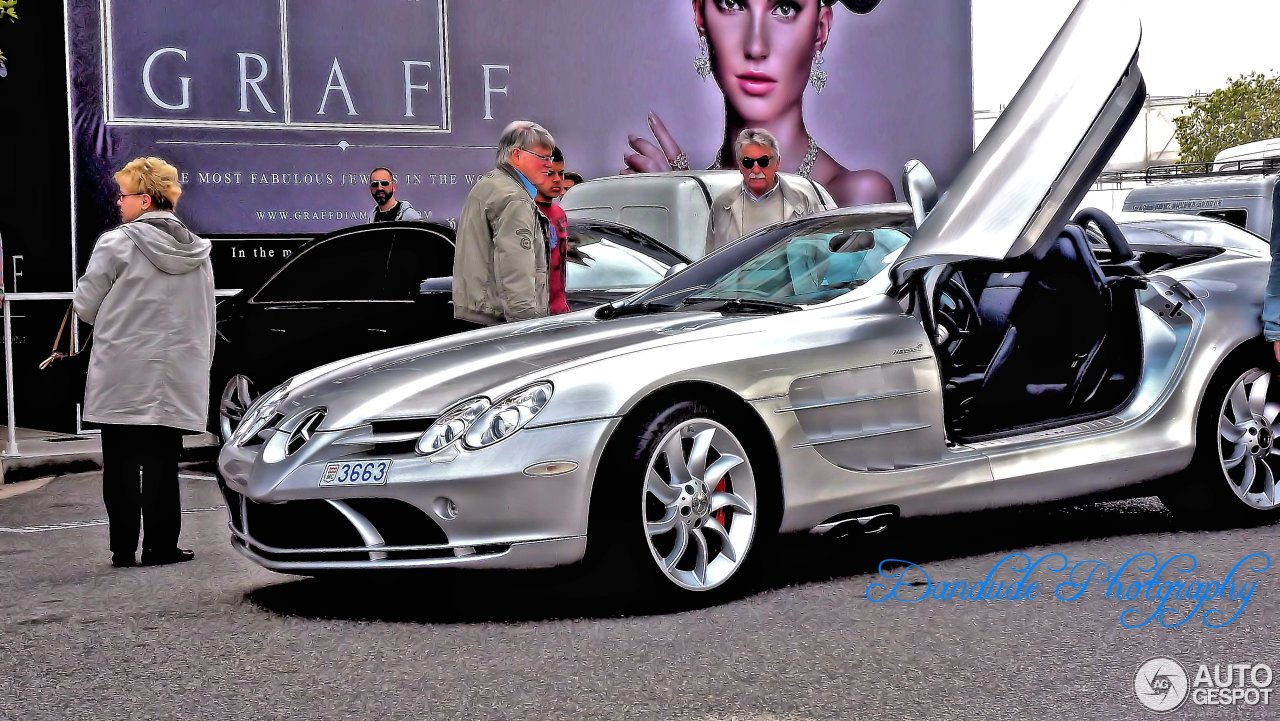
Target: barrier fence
(11, 448)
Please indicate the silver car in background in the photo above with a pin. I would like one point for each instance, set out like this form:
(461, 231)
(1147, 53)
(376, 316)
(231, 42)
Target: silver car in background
(975, 351)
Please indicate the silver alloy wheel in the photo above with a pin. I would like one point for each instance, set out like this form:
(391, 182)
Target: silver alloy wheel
(1247, 447)
(699, 504)
(237, 396)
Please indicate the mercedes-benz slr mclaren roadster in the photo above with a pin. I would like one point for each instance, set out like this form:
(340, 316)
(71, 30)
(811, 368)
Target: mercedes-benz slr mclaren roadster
(978, 350)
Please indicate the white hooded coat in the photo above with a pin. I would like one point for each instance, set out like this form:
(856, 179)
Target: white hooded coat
(148, 292)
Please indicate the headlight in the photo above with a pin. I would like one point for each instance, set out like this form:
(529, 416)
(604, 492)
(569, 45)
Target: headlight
(452, 425)
(256, 418)
(508, 416)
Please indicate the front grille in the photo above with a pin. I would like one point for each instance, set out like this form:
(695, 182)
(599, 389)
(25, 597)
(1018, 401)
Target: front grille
(398, 436)
(313, 530)
(303, 433)
(302, 524)
(401, 524)
(394, 426)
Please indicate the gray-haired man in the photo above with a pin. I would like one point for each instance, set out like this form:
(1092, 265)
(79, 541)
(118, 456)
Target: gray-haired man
(500, 262)
(763, 198)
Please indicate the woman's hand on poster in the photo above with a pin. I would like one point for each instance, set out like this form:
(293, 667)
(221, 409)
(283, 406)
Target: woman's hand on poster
(650, 158)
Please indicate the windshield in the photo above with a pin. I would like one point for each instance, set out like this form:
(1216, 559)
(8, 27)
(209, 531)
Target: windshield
(799, 263)
(811, 267)
(605, 257)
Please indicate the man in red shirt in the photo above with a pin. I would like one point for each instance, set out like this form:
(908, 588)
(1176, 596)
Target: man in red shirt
(550, 187)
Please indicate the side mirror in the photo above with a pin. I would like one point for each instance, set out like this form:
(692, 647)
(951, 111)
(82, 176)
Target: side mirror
(920, 188)
(675, 269)
(433, 286)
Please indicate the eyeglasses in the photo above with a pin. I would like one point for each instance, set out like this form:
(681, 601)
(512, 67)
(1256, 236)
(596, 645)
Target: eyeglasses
(763, 161)
(379, 183)
(121, 196)
(540, 156)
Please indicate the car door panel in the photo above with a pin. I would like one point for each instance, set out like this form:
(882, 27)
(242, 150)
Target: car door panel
(880, 417)
(327, 304)
(419, 277)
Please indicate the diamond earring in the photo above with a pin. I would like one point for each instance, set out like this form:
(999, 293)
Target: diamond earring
(817, 76)
(702, 63)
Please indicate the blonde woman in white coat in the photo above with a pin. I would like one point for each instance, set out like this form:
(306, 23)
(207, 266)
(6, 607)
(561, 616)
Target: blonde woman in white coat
(148, 292)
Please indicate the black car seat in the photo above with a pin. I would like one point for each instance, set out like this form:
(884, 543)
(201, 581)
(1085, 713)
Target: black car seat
(994, 290)
(1110, 372)
(1057, 327)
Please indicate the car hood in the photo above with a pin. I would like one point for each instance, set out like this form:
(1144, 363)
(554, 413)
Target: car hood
(425, 379)
(1036, 164)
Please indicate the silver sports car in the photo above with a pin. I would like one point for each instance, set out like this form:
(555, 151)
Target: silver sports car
(978, 350)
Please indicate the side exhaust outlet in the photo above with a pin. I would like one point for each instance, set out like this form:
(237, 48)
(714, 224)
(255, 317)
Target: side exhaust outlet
(857, 523)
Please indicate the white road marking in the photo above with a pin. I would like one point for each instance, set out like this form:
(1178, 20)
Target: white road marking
(86, 524)
(197, 476)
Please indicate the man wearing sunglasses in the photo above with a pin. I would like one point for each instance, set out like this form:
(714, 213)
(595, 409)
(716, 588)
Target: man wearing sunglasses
(500, 261)
(763, 199)
(382, 186)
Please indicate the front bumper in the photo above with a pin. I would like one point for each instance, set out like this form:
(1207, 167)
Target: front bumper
(476, 509)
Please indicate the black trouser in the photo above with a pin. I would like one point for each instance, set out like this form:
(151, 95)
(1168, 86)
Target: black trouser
(140, 478)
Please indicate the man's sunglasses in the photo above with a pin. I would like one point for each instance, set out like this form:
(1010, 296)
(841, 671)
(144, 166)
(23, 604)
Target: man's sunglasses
(379, 183)
(763, 161)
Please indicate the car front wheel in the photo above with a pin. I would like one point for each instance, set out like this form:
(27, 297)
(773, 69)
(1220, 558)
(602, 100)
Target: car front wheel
(238, 394)
(685, 504)
(1232, 479)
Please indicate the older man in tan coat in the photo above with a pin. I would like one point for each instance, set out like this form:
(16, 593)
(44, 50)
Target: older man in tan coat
(500, 261)
(763, 199)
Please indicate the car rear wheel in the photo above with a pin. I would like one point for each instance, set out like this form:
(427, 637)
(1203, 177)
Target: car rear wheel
(682, 509)
(237, 396)
(1233, 477)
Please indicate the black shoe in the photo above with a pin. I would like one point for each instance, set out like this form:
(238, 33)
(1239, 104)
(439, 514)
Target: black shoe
(120, 560)
(163, 558)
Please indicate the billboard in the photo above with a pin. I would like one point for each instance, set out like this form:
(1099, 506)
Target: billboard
(275, 111)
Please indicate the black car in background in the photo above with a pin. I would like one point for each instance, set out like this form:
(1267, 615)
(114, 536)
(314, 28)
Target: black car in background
(377, 286)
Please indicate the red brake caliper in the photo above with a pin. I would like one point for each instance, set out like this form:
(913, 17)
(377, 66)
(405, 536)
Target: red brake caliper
(720, 487)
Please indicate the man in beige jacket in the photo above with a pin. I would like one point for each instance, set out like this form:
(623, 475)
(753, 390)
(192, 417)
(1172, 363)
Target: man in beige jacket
(500, 261)
(763, 198)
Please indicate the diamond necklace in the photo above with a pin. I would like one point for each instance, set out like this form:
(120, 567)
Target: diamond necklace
(806, 165)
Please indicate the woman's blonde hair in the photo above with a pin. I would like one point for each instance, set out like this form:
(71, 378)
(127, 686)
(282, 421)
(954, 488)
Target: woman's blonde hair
(155, 177)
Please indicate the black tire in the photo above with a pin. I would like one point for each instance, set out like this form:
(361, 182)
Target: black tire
(1204, 495)
(620, 554)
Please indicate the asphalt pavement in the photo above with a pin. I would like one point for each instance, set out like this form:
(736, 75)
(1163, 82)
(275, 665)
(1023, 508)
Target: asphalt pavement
(220, 638)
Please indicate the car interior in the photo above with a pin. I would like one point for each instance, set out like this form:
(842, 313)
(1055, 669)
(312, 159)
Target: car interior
(1048, 338)
(821, 263)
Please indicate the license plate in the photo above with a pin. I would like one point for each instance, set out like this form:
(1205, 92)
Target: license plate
(356, 473)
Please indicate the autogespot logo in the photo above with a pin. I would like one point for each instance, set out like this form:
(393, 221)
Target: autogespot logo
(1161, 684)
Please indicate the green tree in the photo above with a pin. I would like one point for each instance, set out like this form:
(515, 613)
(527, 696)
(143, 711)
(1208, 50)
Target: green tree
(1247, 109)
(8, 9)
